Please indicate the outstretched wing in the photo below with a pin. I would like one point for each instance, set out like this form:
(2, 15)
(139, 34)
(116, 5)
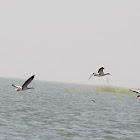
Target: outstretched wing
(28, 81)
(136, 91)
(100, 71)
(15, 86)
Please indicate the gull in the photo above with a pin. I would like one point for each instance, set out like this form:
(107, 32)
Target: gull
(136, 91)
(24, 86)
(100, 73)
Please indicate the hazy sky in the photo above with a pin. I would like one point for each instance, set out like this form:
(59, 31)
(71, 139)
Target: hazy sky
(68, 40)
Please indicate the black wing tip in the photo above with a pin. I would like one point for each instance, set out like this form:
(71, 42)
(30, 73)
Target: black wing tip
(102, 68)
(33, 76)
(134, 91)
(13, 85)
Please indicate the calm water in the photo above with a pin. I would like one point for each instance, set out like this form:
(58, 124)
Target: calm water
(56, 111)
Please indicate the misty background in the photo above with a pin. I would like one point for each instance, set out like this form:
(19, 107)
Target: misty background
(67, 41)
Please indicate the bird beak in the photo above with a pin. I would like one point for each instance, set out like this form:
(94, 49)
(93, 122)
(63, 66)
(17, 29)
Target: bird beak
(17, 89)
(138, 96)
(90, 76)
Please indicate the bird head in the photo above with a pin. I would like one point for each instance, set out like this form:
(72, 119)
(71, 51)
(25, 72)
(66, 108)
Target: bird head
(17, 89)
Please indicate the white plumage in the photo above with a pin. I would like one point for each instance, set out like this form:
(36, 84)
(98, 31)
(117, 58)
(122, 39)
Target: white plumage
(136, 91)
(24, 86)
(100, 73)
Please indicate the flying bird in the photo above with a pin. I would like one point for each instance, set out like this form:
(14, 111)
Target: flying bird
(100, 73)
(136, 91)
(24, 86)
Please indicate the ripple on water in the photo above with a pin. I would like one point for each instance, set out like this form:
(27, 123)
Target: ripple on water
(49, 112)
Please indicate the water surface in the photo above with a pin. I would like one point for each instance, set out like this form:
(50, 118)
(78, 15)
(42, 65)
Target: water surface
(58, 111)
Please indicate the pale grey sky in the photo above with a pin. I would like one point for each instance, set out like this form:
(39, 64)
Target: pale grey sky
(68, 40)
